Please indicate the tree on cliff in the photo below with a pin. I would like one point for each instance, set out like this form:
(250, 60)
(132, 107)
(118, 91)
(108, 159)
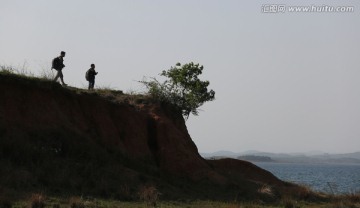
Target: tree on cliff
(183, 89)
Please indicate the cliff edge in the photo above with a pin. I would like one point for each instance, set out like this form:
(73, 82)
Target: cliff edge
(105, 143)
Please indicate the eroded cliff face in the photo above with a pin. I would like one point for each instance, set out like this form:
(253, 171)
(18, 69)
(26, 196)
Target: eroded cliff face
(70, 125)
(140, 131)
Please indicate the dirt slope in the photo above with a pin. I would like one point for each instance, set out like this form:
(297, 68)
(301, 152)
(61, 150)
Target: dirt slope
(64, 140)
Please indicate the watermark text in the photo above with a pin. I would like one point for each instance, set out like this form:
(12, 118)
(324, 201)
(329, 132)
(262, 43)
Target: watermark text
(282, 8)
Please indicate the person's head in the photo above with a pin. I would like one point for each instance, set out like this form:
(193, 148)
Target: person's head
(62, 54)
(92, 66)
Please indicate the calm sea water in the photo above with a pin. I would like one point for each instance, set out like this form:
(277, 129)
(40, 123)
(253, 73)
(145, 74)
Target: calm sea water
(329, 178)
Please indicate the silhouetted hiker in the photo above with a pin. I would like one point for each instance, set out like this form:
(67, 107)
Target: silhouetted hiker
(90, 76)
(58, 65)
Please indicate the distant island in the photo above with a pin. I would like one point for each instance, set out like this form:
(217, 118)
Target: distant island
(318, 157)
(255, 158)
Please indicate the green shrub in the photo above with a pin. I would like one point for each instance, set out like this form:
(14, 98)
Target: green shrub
(183, 89)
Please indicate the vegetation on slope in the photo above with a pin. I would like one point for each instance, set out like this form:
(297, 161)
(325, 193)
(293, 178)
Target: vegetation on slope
(183, 89)
(64, 162)
(58, 158)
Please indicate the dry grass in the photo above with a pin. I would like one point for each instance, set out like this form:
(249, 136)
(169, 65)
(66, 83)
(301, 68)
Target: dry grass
(149, 192)
(37, 201)
(150, 195)
(21, 70)
(289, 203)
(266, 190)
(47, 74)
(346, 201)
(76, 202)
(354, 197)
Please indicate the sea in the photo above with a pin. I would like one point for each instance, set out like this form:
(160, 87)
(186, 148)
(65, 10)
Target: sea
(327, 178)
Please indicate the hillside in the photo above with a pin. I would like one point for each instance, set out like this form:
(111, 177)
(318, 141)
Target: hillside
(67, 141)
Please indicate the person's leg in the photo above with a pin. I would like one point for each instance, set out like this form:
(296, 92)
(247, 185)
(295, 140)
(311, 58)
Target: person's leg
(57, 76)
(61, 77)
(93, 84)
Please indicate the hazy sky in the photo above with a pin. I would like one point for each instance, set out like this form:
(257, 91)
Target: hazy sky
(284, 82)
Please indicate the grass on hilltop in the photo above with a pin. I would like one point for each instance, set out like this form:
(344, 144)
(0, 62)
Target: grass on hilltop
(46, 77)
(40, 200)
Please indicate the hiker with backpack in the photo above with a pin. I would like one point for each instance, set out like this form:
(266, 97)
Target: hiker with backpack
(90, 76)
(58, 65)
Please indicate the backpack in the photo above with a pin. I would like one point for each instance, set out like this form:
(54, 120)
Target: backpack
(56, 63)
(87, 75)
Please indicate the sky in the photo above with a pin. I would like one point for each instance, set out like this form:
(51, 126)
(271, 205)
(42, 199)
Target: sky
(284, 81)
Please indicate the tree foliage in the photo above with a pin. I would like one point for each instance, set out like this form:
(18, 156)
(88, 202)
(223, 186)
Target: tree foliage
(183, 89)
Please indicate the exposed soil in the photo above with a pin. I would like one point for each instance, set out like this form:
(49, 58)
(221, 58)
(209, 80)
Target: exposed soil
(63, 140)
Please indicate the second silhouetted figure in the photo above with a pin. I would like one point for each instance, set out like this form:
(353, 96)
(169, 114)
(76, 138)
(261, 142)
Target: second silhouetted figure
(90, 76)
